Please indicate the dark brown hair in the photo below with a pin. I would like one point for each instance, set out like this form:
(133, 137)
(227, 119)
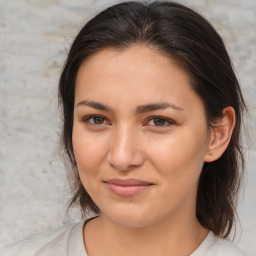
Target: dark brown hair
(181, 34)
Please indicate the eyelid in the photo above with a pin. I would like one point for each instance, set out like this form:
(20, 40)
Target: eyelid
(169, 121)
(86, 120)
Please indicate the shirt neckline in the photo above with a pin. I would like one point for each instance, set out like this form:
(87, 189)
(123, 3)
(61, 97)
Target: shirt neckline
(76, 245)
(205, 245)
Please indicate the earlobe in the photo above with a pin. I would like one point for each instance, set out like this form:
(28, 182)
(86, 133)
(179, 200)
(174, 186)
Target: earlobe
(221, 134)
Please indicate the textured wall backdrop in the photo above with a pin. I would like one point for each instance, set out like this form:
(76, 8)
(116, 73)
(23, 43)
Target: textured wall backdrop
(34, 38)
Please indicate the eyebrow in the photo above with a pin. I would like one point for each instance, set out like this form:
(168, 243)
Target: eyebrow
(94, 104)
(139, 110)
(156, 106)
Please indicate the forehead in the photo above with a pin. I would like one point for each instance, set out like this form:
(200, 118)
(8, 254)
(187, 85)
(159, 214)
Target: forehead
(138, 72)
(146, 53)
(137, 61)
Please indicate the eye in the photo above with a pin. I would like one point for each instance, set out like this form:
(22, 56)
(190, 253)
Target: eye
(95, 120)
(160, 121)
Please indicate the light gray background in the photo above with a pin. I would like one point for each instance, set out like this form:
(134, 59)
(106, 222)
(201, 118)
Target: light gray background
(34, 38)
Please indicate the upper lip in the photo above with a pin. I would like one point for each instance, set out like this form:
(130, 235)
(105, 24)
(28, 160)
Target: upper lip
(128, 182)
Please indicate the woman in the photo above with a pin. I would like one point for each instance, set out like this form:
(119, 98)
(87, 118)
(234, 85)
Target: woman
(151, 125)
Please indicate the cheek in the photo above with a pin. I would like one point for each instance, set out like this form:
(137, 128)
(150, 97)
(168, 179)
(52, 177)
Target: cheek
(179, 157)
(88, 151)
(179, 165)
(89, 154)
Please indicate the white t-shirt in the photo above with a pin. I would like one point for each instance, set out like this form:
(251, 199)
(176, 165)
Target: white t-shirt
(68, 241)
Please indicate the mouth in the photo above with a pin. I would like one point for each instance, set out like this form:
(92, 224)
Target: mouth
(128, 187)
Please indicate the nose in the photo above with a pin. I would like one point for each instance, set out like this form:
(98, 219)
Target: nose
(125, 150)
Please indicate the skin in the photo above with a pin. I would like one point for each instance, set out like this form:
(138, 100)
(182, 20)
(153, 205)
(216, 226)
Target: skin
(167, 152)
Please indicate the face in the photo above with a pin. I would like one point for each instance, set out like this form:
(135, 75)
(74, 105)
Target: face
(140, 136)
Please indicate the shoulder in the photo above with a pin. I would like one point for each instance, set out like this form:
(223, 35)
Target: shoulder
(53, 242)
(224, 247)
(216, 246)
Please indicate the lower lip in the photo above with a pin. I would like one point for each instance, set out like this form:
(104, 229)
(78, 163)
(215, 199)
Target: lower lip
(127, 191)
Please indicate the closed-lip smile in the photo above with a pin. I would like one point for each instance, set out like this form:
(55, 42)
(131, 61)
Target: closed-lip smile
(127, 187)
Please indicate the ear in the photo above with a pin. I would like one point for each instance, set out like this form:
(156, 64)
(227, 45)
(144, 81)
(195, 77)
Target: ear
(220, 135)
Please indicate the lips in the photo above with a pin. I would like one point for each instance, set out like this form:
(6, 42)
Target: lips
(128, 187)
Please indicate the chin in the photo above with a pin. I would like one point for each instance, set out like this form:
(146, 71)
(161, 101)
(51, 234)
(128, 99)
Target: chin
(131, 222)
(130, 219)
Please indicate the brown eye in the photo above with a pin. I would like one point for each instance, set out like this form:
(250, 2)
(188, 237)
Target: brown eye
(159, 121)
(95, 120)
(98, 120)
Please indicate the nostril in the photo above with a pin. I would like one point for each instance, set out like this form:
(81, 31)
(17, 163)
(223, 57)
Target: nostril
(124, 161)
(124, 149)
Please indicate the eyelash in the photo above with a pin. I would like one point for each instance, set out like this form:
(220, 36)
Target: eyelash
(86, 119)
(166, 120)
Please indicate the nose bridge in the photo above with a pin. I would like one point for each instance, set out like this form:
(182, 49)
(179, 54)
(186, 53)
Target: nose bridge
(125, 148)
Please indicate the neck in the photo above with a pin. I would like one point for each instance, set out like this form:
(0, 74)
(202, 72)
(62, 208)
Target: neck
(173, 236)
